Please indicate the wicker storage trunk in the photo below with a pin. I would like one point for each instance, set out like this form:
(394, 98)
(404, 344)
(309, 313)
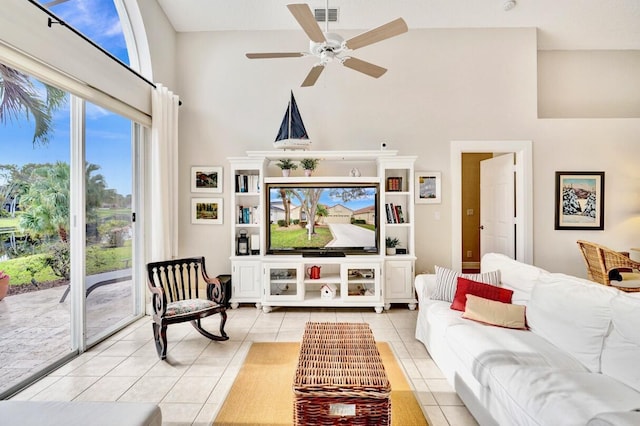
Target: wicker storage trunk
(340, 378)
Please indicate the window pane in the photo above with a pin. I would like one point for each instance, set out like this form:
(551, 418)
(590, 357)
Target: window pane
(110, 292)
(98, 20)
(34, 225)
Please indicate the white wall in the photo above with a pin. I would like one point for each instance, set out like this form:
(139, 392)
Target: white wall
(162, 43)
(442, 85)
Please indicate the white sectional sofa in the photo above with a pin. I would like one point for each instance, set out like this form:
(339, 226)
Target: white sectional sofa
(578, 364)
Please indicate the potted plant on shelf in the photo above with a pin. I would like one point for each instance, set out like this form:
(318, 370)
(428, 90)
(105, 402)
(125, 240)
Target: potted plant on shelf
(4, 284)
(309, 165)
(286, 165)
(391, 244)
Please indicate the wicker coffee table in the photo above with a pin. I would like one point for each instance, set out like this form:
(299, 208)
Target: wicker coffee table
(340, 378)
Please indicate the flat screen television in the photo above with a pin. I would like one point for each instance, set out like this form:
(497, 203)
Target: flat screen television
(322, 218)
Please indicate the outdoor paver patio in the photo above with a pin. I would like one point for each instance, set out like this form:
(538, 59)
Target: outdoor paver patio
(35, 327)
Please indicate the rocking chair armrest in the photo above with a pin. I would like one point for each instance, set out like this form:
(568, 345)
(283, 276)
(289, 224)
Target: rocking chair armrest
(158, 300)
(215, 290)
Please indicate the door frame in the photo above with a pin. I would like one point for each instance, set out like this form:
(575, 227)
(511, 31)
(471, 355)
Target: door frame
(524, 194)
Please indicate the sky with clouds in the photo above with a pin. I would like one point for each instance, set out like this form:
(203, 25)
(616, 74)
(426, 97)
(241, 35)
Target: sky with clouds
(108, 135)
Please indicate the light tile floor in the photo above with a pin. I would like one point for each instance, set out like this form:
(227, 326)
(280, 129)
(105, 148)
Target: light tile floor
(192, 383)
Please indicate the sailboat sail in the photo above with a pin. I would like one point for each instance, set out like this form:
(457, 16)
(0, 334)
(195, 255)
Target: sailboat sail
(292, 133)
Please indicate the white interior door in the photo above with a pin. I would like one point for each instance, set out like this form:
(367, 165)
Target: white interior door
(497, 205)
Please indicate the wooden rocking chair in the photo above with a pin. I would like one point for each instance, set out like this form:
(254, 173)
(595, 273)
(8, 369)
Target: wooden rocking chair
(174, 288)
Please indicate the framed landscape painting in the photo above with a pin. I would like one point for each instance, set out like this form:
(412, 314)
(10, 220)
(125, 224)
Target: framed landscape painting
(428, 188)
(206, 179)
(207, 211)
(579, 201)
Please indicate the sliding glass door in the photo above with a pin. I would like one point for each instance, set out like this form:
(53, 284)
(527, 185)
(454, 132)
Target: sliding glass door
(109, 256)
(67, 202)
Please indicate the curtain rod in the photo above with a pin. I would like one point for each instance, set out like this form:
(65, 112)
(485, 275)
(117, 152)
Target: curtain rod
(53, 19)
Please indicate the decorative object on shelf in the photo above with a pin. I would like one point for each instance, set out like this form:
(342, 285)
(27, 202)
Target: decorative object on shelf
(579, 201)
(309, 165)
(255, 244)
(314, 272)
(206, 211)
(391, 243)
(292, 133)
(355, 172)
(428, 188)
(286, 165)
(242, 243)
(394, 184)
(328, 47)
(328, 291)
(4, 284)
(206, 179)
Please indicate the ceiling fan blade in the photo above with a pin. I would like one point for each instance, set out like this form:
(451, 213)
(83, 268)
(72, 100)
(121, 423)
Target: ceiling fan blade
(304, 16)
(313, 75)
(364, 67)
(383, 32)
(274, 55)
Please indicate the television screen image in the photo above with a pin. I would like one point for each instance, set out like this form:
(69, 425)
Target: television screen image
(327, 217)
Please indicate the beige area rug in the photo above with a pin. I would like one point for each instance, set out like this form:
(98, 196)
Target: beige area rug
(262, 392)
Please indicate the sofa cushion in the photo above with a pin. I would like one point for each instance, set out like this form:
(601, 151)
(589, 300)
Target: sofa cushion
(621, 352)
(447, 282)
(572, 314)
(482, 347)
(559, 397)
(494, 312)
(518, 276)
(486, 291)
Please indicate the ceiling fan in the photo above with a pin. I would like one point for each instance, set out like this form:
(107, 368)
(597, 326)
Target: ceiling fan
(328, 47)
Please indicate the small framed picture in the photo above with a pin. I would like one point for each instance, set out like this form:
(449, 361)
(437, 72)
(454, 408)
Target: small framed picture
(207, 211)
(428, 188)
(206, 179)
(579, 201)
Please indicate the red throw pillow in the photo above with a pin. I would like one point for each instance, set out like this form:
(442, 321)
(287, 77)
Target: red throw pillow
(486, 291)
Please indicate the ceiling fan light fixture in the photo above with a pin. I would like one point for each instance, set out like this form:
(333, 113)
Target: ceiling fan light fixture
(329, 47)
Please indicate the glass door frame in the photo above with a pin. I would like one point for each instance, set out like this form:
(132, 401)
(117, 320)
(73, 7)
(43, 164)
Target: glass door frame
(79, 341)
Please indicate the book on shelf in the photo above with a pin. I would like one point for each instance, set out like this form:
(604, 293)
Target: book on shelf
(399, 214)
(394, 184)
(394, 213)
(247, 215)
(389, 212)
(247, 183)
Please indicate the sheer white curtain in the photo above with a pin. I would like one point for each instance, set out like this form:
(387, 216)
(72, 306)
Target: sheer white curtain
(163, 188)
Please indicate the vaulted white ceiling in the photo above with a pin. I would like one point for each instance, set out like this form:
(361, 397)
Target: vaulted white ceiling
(562, 24)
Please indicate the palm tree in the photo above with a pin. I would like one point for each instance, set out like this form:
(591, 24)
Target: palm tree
(46, 202)
(18, 96)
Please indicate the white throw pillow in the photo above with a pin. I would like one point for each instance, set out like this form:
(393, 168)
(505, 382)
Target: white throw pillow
(447, 282)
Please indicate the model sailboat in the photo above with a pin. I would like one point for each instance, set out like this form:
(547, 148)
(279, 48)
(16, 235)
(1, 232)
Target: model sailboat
(292, 134)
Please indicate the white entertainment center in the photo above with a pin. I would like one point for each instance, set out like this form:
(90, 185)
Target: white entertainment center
(372, 280)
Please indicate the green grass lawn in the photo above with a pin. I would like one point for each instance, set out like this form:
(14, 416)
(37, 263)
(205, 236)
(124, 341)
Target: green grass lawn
(295, 236)
(99, 259)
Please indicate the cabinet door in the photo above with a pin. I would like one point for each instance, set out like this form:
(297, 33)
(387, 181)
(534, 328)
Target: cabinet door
(399, 279)
(283, 282)
(246, 281)
(361, 282)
